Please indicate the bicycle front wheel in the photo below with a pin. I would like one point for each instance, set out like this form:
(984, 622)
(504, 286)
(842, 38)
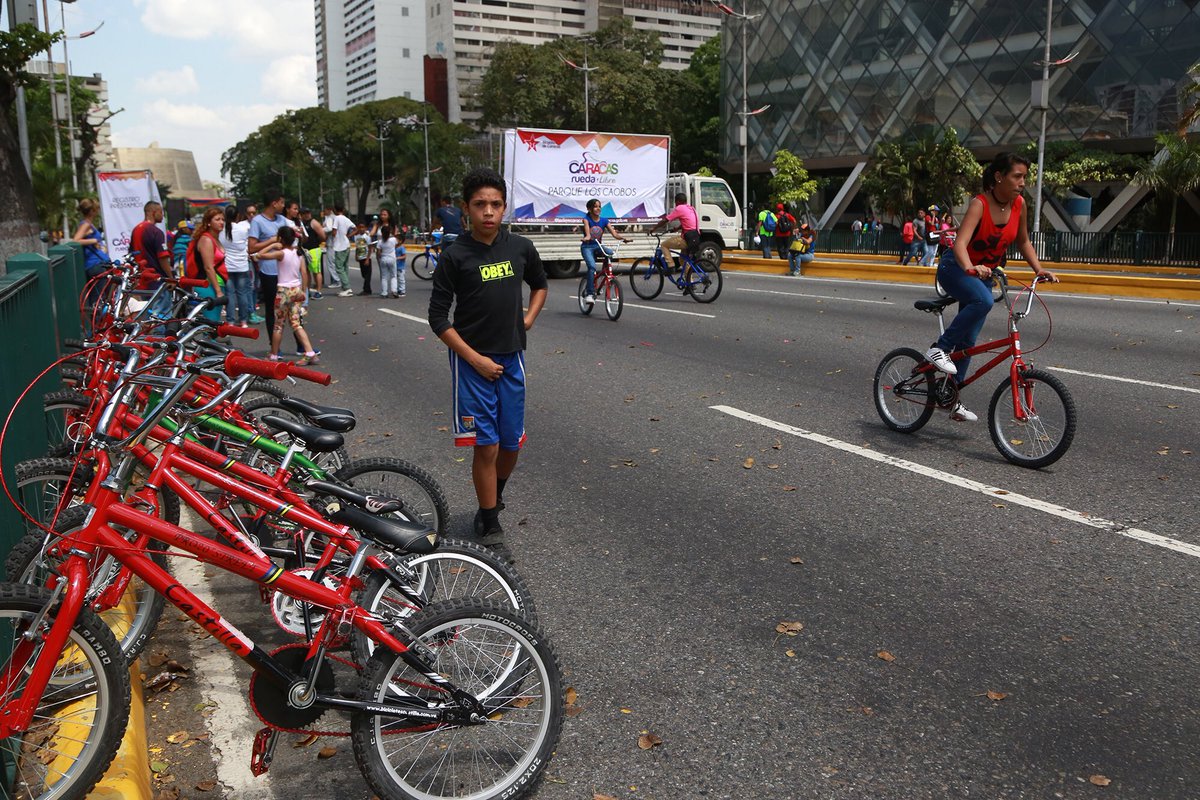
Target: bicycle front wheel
(706, 284)
(614, 302)
(422, 266)
(903, 397)
(646, 279)
(504, 662)
(1048, 427)
(82, 714)
(423, 497)
(584, 306)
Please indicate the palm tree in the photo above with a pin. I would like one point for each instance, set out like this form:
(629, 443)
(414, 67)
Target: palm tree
(1172, 173)
(1189, 98)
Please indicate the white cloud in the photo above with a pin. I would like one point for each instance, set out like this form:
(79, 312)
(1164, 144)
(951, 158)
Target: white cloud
(267, 27)
(291, 80)
(173, 82)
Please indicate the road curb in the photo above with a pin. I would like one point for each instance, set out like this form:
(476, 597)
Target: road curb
(1181, 289)
(128, 776)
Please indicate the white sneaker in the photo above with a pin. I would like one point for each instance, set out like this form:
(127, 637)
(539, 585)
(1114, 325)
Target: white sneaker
(590, 299)
(346, 293)
(937, 356)
(961, 413)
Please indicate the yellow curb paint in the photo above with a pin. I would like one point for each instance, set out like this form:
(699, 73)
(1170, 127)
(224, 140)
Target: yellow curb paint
(1180, 289)
(128, 777)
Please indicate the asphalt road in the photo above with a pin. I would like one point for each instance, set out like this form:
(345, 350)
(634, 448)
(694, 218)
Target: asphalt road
(662, 565)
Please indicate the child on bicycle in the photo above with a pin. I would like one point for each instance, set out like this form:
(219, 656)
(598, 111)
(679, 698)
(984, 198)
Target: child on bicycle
(592, 246)
(994, 221)
(481, 278)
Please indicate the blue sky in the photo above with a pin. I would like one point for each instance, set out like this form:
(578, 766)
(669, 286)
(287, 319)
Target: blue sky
(196, 75)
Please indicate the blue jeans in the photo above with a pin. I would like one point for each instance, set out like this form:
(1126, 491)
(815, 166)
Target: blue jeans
(589, 251)
(797, 259)
(239, 298)
(766, 238)
(975, 300)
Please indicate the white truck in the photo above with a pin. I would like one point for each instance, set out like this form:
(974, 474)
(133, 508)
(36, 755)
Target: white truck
(555, 180)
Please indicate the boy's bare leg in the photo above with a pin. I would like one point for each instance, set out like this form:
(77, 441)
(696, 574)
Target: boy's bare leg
(483, 473)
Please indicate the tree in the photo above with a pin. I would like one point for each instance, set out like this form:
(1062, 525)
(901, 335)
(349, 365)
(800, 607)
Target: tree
(791, 183)
(1189, 99)
(696, 133)
(888, 181)
(933, 167)
(531, 86)
(19, 232)
(1073, 167)
(1173, 173)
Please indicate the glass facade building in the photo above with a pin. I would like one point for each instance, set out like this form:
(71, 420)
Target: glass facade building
(841, 76)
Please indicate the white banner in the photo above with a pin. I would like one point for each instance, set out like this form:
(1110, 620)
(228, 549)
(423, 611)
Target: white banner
(551, 175)
(123, 197)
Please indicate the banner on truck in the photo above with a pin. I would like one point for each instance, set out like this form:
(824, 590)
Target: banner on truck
(123, 197)
(552, 174)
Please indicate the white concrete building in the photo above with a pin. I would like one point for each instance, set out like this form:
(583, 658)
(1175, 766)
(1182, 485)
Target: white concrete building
(369, 50)
(682, 25)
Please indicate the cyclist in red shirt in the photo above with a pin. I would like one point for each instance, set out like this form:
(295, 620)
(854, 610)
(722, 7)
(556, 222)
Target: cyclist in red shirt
(994, 220)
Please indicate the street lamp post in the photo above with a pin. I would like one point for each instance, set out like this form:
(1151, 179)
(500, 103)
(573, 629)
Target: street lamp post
(744, 115)
(1044, 100)
(411, 121)
(587, 75)
(54, 115)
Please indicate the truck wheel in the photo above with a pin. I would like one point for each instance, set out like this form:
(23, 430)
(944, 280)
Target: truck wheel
(562, 269)
(710, 251)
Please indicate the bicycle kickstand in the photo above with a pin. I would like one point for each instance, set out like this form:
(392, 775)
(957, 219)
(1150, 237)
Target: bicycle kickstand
(264, 750)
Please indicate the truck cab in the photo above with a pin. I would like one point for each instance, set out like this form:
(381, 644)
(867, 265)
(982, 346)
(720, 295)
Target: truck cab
(717, 208)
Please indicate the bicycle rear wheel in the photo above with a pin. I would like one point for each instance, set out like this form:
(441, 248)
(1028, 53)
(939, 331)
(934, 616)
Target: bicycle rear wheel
(584, 306)
(423, 497)
(903, 398)
(422, 266)
(705, 285)
(81, 716)
(646, 279)
(614, 302)
(1045, 434)
(503, 661)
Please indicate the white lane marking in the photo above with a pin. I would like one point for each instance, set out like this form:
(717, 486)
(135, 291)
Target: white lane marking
(395, 313)
(993, 492)
(1126, 380)
(1154, 302)
(817, 296)
(232, 724)
(575, 297)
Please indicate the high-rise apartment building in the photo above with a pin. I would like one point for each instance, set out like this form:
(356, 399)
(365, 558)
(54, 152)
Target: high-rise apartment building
(682, 25)
(369, 50)
(97, 116)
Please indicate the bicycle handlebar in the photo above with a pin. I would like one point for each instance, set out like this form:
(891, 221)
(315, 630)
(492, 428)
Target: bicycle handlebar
(237, 364)
(227, 329)
(310, 375)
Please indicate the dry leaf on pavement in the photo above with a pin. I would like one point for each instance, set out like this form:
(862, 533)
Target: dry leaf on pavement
(648, 740)
(206, 786)
(327, 752)
(306, 741)
(886, 656)
(572, 695)
(790, 488)
(177, 737)
(992, 695)
(789, 628)
(748, 463)
(1099, 780)
(796, 560)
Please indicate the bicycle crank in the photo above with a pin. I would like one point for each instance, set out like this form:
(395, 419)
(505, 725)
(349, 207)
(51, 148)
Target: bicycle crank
(270, 701)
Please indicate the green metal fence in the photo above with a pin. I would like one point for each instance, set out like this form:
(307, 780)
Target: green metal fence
(1136, 248)
(39, 302)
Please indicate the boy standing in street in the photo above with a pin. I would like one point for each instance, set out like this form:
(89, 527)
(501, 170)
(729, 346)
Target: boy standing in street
(481, 277)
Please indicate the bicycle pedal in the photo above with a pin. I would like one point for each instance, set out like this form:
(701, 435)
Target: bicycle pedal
(264, 750)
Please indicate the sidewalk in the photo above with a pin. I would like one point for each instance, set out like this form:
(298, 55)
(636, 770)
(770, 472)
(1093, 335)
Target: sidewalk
(1102, 279)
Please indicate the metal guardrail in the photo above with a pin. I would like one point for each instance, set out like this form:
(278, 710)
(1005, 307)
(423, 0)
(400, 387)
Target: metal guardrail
(1136, 248)
(39, 307)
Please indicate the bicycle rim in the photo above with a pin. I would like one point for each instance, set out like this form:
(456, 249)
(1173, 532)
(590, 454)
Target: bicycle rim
(81, 715)
(1048, 427)
(903, 399)
(501, 660)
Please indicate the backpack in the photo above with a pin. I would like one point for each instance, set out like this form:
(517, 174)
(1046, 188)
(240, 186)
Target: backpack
(785, 226)
(768, 222)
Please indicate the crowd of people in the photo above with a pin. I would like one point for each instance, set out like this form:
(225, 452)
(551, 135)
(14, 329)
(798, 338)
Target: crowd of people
(926, 236)
(791, 239)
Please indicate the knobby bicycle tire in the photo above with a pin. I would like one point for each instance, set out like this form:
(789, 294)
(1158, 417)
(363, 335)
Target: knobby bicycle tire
(708, 287)
(423, 497)
(81, 716)
(508, 664)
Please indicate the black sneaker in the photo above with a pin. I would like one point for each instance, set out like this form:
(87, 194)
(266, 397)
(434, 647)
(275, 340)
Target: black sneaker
(492, 536)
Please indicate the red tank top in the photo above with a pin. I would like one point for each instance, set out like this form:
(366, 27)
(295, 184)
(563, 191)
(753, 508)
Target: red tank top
(989, 243)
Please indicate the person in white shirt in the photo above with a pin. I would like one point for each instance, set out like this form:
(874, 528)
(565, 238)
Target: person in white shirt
(391, 283)
(339, 231)
(239, 295)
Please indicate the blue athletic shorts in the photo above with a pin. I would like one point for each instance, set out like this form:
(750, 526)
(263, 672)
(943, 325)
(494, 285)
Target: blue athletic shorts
(489, 412)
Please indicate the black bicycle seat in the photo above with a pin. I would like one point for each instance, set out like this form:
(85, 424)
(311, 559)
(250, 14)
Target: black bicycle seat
(315, 439)
(372, 504)
(389, 532)
(331, 418)
(937, 304)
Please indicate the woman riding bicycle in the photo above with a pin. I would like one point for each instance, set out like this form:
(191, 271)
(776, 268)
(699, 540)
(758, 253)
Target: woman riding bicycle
(592, 245)
(994, 220)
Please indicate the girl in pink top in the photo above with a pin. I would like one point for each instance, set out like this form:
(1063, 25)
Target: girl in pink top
(290, 295)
